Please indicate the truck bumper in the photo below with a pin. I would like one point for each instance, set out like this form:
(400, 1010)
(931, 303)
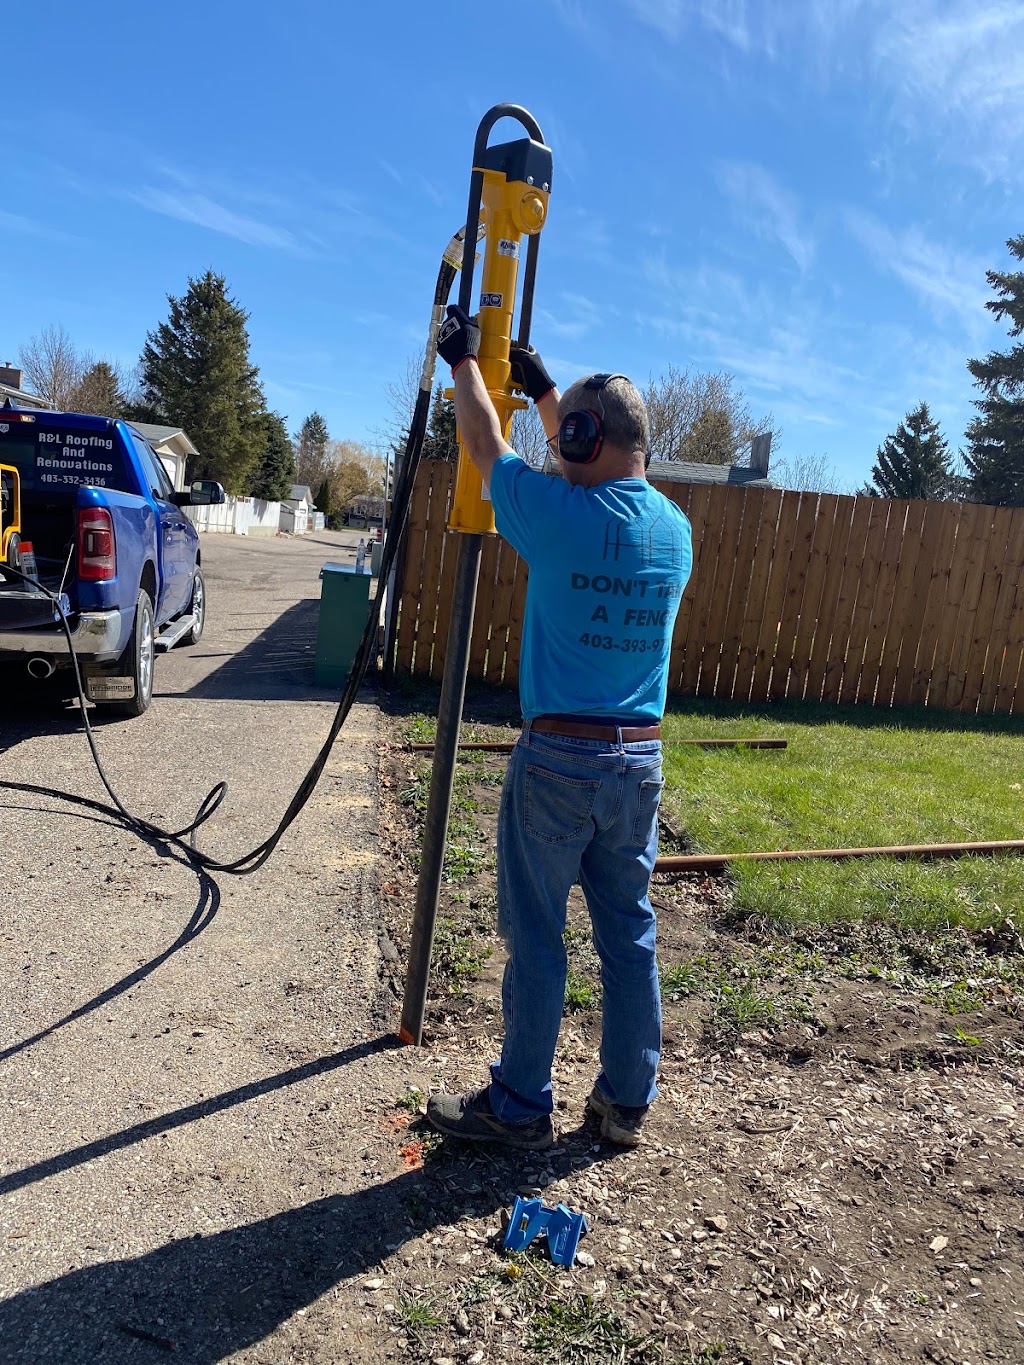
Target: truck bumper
(96, 637)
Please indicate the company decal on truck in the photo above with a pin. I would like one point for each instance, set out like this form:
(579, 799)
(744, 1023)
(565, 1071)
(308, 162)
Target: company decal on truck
(73, 457)
(47, 457)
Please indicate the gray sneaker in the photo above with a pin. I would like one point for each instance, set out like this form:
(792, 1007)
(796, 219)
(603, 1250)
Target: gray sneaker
(619, 1124)
(471, 1118)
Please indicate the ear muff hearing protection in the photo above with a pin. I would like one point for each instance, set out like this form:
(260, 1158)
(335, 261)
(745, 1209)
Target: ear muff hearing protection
(581, 434)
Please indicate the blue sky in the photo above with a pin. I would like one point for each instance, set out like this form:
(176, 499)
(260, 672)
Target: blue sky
(806, 193)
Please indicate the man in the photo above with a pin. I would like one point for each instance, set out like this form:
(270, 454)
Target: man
(609, 557)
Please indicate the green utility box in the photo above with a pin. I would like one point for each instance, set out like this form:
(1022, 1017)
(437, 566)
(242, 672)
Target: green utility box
(344, 603)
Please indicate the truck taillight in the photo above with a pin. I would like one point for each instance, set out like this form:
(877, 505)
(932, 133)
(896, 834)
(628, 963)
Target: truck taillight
(97, 555)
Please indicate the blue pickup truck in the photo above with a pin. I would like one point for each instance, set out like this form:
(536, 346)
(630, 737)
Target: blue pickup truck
(109, 537)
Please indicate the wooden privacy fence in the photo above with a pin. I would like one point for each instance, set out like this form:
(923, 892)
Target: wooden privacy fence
(798, 595)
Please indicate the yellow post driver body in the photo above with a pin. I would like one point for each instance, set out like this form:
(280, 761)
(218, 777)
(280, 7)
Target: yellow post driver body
(509, 192)
(10, 514)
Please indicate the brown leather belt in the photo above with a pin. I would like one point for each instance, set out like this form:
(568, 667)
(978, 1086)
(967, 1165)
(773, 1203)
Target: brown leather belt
(631, 734)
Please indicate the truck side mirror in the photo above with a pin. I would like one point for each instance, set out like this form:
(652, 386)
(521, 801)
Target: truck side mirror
(206, 491)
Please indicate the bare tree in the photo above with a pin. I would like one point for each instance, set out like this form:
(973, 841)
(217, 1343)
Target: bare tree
(528, 439)
(807, 473)
(701, 417)
(53, 366)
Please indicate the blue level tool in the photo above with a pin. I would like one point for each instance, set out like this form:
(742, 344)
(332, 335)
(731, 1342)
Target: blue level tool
(562, 1227)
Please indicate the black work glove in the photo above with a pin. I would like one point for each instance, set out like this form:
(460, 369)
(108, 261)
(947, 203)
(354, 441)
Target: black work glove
(458, 337)
(528, 372)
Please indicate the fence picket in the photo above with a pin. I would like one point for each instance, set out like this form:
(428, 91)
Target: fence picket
(768, 629)
(988, 553)
(742, 587)
(973, 518)
(880, 606)
(814, 586)
(900, 619)
(754, 607)
(718, 600)
(865, 584)
(998, 632)
(696, 511)
(502, 617)
(796, 581)
(846, 602)
(413, 550)
(483, 616)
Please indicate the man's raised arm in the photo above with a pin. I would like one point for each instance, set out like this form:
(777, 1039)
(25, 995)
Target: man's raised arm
(458, 342)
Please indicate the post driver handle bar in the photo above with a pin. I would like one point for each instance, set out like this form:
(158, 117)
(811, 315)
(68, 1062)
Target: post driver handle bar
(476, 187)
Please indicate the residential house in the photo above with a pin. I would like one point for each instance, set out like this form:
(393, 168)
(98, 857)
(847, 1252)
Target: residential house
(297, 510)
(752, 475)
(173, 447)
(11, 391)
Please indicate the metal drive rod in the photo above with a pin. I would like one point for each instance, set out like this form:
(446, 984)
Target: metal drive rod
(718, 862)
(504, 746)
(442, 777)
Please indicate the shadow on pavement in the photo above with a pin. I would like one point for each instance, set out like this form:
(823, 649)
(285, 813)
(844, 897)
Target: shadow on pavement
(276, 666)
(204, 1298)
(201, 917)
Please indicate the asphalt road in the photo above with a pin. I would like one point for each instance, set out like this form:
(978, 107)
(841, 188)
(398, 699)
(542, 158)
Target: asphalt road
(184, 1062)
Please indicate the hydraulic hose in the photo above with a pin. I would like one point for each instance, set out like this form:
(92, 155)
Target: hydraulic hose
(185, 838)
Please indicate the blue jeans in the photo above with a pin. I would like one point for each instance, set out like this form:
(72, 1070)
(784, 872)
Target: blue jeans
(586, 810)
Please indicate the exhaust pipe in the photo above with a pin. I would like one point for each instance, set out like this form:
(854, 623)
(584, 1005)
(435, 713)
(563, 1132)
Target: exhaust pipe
(39, 667)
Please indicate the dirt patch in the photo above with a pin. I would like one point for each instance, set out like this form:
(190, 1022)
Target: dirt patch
(832, 1170)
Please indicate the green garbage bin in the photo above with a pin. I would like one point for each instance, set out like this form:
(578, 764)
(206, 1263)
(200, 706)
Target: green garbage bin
(344, 603)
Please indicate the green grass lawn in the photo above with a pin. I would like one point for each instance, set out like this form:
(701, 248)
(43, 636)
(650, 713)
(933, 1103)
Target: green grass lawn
(852, 778)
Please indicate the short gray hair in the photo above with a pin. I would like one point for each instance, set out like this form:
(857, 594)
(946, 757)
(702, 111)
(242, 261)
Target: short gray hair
(621, 409)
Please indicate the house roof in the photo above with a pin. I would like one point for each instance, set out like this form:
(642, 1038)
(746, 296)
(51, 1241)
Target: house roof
(682, 471)
(159, 436)
(21, 398)
(300, 492)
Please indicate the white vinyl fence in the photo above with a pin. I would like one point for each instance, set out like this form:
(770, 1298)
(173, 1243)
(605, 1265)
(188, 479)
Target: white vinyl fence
(238, 516)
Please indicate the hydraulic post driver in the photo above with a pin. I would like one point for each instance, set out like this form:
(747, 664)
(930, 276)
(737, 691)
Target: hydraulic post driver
(509, 188)
(508, 194)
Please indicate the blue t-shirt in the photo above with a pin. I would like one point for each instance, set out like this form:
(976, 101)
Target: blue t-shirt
(608, 566)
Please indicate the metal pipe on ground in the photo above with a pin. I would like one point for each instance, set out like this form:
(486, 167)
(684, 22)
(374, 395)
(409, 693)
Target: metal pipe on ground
(718, 862)
(504, 746)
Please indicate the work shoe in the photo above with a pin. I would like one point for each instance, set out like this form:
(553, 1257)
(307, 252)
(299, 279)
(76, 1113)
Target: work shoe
(471, 1118)
(619, 1124)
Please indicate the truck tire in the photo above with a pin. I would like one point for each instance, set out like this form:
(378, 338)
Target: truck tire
(198, 609)
(137, 661)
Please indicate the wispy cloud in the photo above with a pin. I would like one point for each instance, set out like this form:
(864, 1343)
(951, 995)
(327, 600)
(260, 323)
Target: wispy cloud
(950, 71)
(961, 63)
(30, 227)
(810, 365)
(577, 316)
(190, 206)
(949, 281)
(766, 209)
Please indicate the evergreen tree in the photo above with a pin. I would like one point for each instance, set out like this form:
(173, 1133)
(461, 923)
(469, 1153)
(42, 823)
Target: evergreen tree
(196, 374)
(439, 443)
(99, 391)
(324, 499)
(995, 454)
(312, 459)
(275, 475)
(913, 462)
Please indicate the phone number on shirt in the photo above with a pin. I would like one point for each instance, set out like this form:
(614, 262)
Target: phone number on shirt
(633, 646)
